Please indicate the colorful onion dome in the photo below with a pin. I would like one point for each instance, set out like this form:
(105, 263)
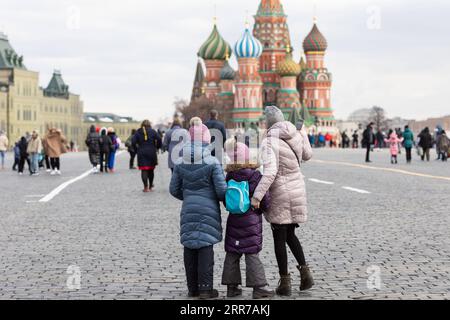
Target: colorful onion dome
(248, 46)
(288, 67)
(315, 41)
(227, 72)
(215, 47)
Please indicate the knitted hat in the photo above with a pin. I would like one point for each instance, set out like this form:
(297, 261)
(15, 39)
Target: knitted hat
(237, 151)
(273, 115)
(199, 132)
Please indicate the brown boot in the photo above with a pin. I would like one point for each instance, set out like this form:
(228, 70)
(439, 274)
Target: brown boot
(307, 280)
(284, 286)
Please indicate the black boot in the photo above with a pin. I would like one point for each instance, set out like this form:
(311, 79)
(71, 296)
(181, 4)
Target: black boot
(210, 294)
(284, 286)
(193, 294)
(233, 291)
(307, 280)
(261, 293)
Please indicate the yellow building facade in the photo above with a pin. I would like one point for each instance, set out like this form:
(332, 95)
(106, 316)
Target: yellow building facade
(25, 106)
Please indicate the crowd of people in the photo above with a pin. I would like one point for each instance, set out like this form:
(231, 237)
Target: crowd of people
(36, 151)
(398, 139)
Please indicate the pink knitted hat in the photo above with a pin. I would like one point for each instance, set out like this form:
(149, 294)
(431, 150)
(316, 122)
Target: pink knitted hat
(238, 152)
(200, 133)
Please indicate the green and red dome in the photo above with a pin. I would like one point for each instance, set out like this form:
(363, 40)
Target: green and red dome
(315, 41)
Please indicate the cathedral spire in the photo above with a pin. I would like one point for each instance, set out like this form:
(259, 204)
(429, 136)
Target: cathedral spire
(270, 8)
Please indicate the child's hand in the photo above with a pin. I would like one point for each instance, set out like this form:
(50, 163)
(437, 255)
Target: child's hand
(256, 203)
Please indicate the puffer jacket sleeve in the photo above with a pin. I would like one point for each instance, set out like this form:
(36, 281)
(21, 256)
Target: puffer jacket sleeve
(270, 165)
(220, 184)
(176, 185)
(307, 149)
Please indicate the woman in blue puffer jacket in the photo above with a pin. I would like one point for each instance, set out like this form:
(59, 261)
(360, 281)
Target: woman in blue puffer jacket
(198, 180)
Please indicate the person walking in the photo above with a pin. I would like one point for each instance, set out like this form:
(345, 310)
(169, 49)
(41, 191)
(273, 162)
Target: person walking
(198, 180)
(146, 142)
(368, 140)
(131, 149)
(93, 144)
(16, 156)
(443, 144)
(408, 142)
(56, 146)
(218, 126)
(355, 141)
(4, 145)
(105, 148)
(23, 146)
(283, 149)
(393, 143)
(426, 143)
(438, 133)
(173, 137)
(34, 150)
(244, 233)
(115, 146)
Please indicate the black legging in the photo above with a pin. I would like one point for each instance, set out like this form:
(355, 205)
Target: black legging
(283, 234)
(147, 178)
(55, 163)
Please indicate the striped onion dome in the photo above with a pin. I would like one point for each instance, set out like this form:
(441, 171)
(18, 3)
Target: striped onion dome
(288, 67)
(248, 46)
(315, 41)
(215, 48)
(227, 72)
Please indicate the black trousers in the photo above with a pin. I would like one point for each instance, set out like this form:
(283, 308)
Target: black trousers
(47, 162)
(132, 157)
(368, 153)
(147, 178)
(282, 235)
(22, 161)
(55, 163)
(104, 161)
(16, 163)
(199, 265)
(408, 154)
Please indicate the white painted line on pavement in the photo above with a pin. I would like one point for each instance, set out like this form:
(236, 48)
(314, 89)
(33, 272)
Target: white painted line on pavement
(60, 188)
(356, 190)
(35, 196)
(362, 166)
(321, 181)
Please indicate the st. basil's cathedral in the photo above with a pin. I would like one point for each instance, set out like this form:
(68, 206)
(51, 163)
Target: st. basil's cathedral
(267, 74)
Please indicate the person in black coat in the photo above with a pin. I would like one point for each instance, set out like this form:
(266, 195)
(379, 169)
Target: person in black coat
(93, 144)
(368, 140)
(105, 148)
(146, 142)
(23, 146)
(426, 143)
(213, 124)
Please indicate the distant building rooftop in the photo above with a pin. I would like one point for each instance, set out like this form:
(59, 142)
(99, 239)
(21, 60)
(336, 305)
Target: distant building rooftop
(106, 118)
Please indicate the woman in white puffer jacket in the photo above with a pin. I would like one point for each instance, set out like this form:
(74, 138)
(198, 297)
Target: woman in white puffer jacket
(283, 148)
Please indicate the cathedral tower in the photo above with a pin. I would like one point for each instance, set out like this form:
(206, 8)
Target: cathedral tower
(315, 81)
(248, 104)
(272, 31)
(214, 52)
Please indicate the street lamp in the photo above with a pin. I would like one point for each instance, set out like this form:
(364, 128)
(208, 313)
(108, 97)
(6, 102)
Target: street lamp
(5, 88)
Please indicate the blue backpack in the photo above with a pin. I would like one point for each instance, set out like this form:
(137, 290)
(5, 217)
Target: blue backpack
(237, 197)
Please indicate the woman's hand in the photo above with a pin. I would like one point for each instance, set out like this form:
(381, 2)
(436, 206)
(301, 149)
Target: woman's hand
(256, 204)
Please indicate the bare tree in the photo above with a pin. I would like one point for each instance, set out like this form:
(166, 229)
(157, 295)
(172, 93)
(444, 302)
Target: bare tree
(199, 107)
(378, 117)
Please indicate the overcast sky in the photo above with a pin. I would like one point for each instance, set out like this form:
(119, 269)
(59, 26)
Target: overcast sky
(133, 57)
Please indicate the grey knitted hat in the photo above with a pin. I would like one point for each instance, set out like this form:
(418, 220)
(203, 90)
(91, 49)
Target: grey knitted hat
(273, 115)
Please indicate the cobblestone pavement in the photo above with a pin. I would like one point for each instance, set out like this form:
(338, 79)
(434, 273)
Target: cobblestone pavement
(126, 243)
